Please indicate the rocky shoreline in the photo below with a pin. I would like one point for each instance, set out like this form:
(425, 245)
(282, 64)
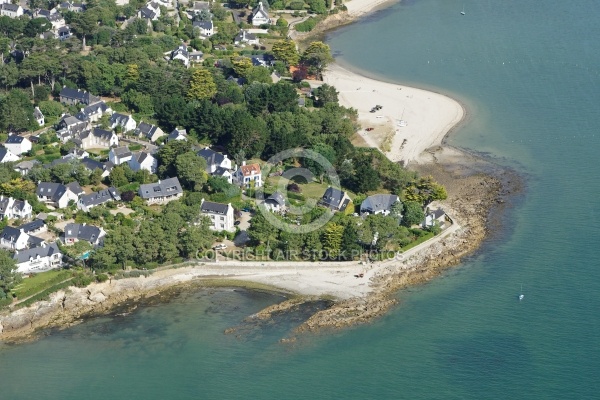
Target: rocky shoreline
(477, 193)
(476, 190)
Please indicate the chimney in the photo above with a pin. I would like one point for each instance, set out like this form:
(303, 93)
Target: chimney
(243, 163)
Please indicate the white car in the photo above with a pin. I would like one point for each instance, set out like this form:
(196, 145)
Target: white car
(220, 247)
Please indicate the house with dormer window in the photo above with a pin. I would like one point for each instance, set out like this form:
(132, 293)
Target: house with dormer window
(38, 259)
(248, 175)
(161, 192)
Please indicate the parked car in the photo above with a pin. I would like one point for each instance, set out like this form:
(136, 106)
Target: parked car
(236, 223)
(220, 246)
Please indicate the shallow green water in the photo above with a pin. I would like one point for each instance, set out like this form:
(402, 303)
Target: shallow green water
(529, 73)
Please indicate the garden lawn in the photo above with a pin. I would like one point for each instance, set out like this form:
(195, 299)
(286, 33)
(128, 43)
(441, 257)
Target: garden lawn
(39, 282)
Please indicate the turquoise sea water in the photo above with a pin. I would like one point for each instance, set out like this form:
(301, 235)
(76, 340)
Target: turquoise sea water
(529, 73)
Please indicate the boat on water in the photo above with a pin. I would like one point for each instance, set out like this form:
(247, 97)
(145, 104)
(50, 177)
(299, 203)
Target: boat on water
(463, 10)
(521, 296)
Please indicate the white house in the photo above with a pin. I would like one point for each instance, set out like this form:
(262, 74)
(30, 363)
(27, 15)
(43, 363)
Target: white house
(126, 122)
(150, 12)
(89, 201)
(204, 28)
(378, 204)
(220, 215)
(260, 16)
(63, 33)
(148, 131)
(93, 112)
(120, 155)
(13, 238)
(182, 54)
(11, 10)
(143, 160)
(335, 199)
(214, 160)
(275, 202)
(248, 175)
(161, 192)
(12, 209)
(39, 117)
(434, 217)
(177, 134)
(90, 233)
(7, 155)
(55, 194)
(38, 259)
(97, 139)
(224, 173)
(25, 166)
(245, 37)
(18, 144)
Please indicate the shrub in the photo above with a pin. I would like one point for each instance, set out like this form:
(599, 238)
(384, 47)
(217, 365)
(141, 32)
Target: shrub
(101, 278)
(307, 25)
(296, 5)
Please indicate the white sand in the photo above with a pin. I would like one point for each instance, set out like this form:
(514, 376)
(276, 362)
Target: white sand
(336, 279)
(428, 115)
(357, 8)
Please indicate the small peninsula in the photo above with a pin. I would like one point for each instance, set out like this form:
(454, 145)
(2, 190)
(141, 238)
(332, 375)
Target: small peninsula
(198, 144)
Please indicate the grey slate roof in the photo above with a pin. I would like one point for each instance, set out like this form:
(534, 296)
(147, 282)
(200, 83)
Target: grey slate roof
(15, 139)
(378, 203)
(94, 108)
(50, 189)
(220, 171)
(92, 164)
(147, 13)
(203, 24)
(166, 187)
(211, 157)
(122, 151)
(42, 251)
(10, 234)
(101, 197)
(214, 208)
(3, 153)
(79, 95)
(120, 119)
(146, 129)
(32, 226)
(332, 199)
(34, 241)
(37, 114)
(276, 197)
(27, 165)
(75, 188)
(101, 133)
(85, 232)
(177, 133)
(10, 7)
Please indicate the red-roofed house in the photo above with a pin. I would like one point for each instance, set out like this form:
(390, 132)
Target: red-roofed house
(248, 175)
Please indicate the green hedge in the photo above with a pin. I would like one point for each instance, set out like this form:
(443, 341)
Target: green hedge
(421, 239)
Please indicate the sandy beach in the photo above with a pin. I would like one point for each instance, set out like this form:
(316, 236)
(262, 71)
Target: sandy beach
(358, 8)
(427, 116)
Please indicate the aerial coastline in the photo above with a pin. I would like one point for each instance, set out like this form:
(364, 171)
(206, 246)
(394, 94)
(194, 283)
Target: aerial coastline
(418, 143)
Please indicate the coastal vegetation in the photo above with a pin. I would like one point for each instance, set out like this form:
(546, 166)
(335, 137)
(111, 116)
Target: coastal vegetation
(246, 110)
